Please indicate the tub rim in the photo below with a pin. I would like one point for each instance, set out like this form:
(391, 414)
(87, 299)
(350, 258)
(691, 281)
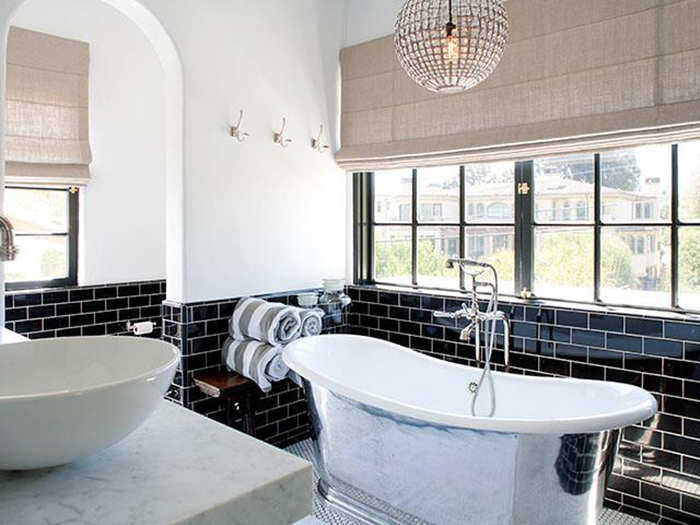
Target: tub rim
(644, 409)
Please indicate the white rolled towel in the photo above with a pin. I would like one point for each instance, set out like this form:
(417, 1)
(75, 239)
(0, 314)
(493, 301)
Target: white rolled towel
(256, 360)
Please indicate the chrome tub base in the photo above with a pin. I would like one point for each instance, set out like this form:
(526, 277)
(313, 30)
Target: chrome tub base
(380, 467)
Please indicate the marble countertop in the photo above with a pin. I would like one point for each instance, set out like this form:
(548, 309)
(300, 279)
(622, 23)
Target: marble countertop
(179, 467)
(8, 336)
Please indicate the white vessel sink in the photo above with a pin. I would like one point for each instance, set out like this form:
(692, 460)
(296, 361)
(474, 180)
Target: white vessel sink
(64, 399)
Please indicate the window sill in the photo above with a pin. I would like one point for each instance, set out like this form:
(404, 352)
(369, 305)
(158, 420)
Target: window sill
(670, 315)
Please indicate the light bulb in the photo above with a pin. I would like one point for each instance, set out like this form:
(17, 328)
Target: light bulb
(451, 49)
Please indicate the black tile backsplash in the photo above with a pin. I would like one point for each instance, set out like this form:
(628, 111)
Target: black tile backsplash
(657, 473)
(199, 330)
(84, 310)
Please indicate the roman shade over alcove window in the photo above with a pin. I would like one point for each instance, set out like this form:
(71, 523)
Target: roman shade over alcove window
(576, 76)
(46, 133)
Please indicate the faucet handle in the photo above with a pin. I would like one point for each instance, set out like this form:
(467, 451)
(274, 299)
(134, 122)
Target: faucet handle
(445, 315)
(462, 312)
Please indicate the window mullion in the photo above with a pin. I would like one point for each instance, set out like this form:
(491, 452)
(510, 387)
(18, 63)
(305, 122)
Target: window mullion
(414, 228)
(363, 196)
(524, 224)
(73, 226)
(369, 214)
(597, 230)
(674, 226)
(361, 202)
(462, 223)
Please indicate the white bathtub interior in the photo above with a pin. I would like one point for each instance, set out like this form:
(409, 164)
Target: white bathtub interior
(395, 379)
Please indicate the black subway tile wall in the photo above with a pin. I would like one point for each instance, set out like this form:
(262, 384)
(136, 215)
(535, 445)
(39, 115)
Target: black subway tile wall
(84, 310)
(657, 473)
(199, 330)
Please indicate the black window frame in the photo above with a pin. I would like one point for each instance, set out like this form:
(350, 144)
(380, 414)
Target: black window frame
(73, 196)
(524, 223)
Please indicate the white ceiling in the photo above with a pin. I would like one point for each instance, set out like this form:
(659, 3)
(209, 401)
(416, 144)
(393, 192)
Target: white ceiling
(369, 19)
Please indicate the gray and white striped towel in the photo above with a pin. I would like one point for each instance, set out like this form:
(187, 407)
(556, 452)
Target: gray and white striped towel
(258, 361)
(273, 323)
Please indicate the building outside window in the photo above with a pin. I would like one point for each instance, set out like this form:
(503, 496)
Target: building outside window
(581, 211)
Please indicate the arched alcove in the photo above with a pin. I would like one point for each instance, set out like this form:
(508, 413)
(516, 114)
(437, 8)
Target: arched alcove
(168, 56)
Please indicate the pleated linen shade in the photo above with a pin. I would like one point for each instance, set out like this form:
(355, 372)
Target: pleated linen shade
(576, 76)
(47, 128)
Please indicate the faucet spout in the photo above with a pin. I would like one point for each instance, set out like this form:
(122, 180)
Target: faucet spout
(466, 333)
(8, 250)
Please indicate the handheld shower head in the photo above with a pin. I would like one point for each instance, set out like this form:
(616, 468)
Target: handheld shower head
(468, 266)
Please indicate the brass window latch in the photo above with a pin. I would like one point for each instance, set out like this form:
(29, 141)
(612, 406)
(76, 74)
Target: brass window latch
(523, 188)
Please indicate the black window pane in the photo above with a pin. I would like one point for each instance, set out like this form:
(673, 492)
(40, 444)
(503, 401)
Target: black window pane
(392, 254)
(496, 246)
(438, 194)
(435, 245)
(393, 196)
(40, 258)
(689, 181)
(564, 189)
(489, 192)
(37, 210)
(564, 262)
(636, 265)
(636, 184)
(689, 267)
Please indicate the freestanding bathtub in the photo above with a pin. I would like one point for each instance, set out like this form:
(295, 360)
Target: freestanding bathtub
(394, 441)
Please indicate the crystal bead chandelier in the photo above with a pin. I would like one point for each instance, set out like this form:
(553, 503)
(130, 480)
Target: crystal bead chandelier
(448, 46)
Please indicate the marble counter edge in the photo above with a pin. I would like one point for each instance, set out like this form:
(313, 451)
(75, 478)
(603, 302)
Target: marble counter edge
(179, 467)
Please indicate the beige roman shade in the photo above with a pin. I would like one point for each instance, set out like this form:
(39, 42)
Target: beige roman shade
(577, 75)
(46, 134)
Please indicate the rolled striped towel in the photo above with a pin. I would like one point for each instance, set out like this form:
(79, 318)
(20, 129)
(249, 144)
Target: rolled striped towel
(311, 322)
(258, 361)
(273, 323)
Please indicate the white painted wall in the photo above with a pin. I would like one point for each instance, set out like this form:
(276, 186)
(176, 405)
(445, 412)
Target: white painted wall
(370, 19)
(123, 209)
(256, 218)
(259, 218)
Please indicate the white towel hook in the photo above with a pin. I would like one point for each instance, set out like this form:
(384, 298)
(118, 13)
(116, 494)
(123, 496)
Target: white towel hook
(317, 144)
(236, 132)
(280, 138)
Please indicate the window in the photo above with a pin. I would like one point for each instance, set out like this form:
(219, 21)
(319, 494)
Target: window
(566, 211)
(476, 246)
(500, 242)
(621, 227)
(499, 211)
(581, 211)
(46, 232)
(429, 212)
